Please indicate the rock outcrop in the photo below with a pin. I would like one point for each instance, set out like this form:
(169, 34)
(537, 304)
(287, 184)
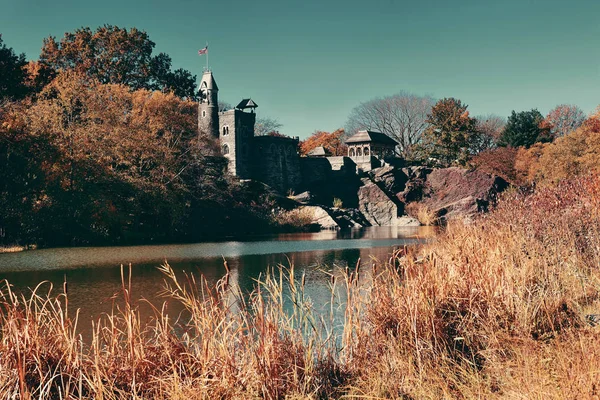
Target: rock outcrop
(302, 198)
(385, 194)
(449, 193)
(320, 217)
(391, 179)
(457, 193)
(376, 205)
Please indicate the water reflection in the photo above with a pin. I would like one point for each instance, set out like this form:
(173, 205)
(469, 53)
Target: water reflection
(94, 274)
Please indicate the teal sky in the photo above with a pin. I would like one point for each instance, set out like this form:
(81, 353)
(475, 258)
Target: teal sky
(308, 63)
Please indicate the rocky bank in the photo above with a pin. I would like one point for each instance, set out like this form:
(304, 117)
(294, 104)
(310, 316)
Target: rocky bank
(410, 196)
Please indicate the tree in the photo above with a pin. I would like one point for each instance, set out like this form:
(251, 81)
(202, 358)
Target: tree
(401, 116)
(100, 163)
(12, 73)
(114, 55)
(524, 129)
(564, 119)
(224, 106)
(577, 153)
(489, 128)
(451, 132)
(265, 126)
(333, 142)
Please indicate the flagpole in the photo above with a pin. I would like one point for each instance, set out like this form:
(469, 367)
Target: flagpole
(207, 55)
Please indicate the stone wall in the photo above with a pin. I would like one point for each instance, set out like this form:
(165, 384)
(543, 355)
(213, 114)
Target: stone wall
(236, 131)
(314, 170)
(275, 161)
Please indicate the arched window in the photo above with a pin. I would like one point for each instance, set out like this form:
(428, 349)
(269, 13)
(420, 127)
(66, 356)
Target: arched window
(272, 148)
(225, 130)
(366, 151)
(359, 152)
(352, 152)
(225, 149)
(203, 113)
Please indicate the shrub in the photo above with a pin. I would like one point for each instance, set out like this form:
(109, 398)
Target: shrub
(423, 213)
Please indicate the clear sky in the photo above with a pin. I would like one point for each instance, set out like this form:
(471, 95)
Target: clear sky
(308, 63)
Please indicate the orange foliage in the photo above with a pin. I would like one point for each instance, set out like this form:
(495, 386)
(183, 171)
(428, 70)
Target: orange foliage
(331, 141)
(130, 133)
(575, 154)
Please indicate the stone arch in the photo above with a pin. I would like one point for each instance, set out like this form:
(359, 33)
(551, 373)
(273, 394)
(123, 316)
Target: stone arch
(225, 148)
(272, 148)
(358, 152)
(352, 153)
(366, 151)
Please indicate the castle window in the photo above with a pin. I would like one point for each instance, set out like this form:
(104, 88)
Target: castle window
(359, 152)
(366, 151)
(225, 130)
(203, 113)
(352, 152)
(225, 149)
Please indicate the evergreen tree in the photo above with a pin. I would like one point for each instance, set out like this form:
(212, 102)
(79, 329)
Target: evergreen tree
(524, 129)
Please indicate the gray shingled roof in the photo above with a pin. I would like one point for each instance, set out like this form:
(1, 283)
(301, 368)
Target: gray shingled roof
(319, 151)
(371, 136)
(209, 81)
(246, 103)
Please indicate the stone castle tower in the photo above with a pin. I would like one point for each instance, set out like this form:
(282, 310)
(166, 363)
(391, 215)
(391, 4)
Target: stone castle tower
(233, 128)
(208, 106)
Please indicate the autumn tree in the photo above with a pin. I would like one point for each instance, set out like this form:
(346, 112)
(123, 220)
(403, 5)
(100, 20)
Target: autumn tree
(577, 153)
(524, 129)
(333, 142)
(402, 116)
(114, 55)
(564, 119)
(450, 132)
(115, 164)
(489, 128)
(498, 161)
(12, 73)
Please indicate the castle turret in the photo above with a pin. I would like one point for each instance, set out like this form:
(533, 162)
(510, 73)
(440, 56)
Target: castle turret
(208, 106)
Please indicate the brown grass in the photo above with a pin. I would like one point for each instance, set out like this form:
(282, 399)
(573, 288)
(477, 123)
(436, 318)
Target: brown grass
(297, 218)
(11, 249)
(423, 213)
(495, 309)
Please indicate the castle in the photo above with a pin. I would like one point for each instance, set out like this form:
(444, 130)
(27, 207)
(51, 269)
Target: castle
(275, 160)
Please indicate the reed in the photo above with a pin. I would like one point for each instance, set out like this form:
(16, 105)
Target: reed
(501, 308)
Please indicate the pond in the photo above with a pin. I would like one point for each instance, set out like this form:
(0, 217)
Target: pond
(93, 274)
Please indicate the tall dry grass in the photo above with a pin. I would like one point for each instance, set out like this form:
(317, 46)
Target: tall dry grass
(495, 309)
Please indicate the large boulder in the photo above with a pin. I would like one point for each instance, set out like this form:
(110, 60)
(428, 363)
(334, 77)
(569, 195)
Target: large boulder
(405, 220)
(391, 179)
(320, 217)
(376, 205)
(303, 198)
(348, 218)
(457, 193)
(416, 186)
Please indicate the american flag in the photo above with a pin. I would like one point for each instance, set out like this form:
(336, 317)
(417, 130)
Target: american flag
(203, 51)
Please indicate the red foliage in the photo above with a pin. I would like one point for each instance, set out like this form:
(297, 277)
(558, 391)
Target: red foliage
(331, 141)
(499, 161)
